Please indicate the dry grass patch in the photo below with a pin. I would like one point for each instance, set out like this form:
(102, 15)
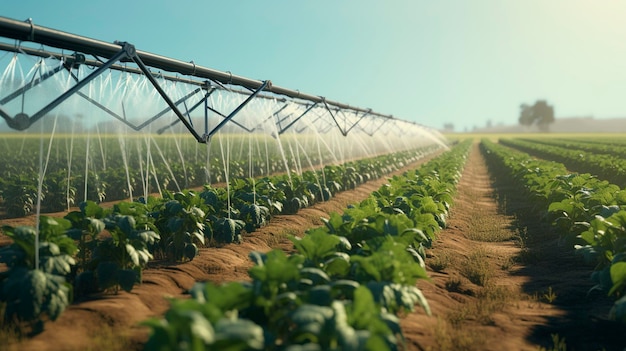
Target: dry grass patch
(454, 285)
(476, 267)
(488, 228)
(275, 239)
(449, 338)
(440, 261)
(106, 339)
(489, 300)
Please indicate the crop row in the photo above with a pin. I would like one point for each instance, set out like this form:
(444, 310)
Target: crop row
(95, 249)
(604, 166)
(111, 168)
(343, 286)
(590, 212)
(597, 147)
(604, 140)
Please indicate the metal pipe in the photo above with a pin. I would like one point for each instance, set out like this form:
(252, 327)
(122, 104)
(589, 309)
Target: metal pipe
(125, 68)
(27, 31)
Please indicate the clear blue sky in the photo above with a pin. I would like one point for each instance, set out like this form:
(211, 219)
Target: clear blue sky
(463, 62)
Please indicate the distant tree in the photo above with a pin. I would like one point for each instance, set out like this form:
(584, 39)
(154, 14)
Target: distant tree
(489, 124)
(545, 115)
(540, 114)
(526, 115)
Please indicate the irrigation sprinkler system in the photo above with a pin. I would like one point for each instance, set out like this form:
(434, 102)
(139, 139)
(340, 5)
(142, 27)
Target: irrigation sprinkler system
(101, 57)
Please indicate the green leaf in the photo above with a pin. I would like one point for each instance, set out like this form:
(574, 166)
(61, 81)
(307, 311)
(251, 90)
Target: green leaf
(242, 332)
(31, 293)
(191, 250)
(57, 264)
(363, 308)
(258, 258)
(91, 209)
(174, 224)
(230, 296)
(126, 224)
(132, 253)
(337, 265)
(316, 275)
(618, 276)
(173, 208)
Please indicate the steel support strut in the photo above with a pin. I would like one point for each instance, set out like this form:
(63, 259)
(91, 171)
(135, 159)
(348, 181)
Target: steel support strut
(227, 119)
(358, 121)
(28, 86)
(195, 106)
(333, 117)
(297, 119)
(123, 119)
(22, 121)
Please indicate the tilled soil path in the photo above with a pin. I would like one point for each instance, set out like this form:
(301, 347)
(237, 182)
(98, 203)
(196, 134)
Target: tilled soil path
(501, 280)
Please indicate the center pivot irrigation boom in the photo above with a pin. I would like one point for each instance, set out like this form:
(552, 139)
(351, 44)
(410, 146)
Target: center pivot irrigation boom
(116, 56)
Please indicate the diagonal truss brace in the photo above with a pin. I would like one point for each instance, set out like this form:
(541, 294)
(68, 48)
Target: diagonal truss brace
(282, 130)
(22, 121)
(275, 114)
(210, 91)
(147, 122)
(207, 136)
(28, 86)
(319, 117)
(345, 130)
(373, 130)
(249, 130)
(359, 120)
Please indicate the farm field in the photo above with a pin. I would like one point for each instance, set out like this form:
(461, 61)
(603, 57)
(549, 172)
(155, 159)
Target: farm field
(500, 274)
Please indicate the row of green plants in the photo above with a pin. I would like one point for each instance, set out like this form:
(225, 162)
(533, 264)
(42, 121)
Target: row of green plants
(611, 168)
(95, 249)
(592, 146)
(112, 168)
(342, 288)
(590, 213)
(615, 140)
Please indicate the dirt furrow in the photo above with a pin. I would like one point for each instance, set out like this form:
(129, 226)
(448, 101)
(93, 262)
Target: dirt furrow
(478, 292)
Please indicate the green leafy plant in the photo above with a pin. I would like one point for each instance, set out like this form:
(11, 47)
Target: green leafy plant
(180, 220)
(87, 224)
(34, 293)
(20, 195)
(227, 230)
(118, 260)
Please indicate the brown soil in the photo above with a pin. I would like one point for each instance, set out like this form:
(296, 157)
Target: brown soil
(534, 289)
(510, 309)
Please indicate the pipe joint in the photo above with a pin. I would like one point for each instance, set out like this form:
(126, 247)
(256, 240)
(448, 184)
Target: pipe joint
(21, 121)
(128, 48)
(74, 61)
